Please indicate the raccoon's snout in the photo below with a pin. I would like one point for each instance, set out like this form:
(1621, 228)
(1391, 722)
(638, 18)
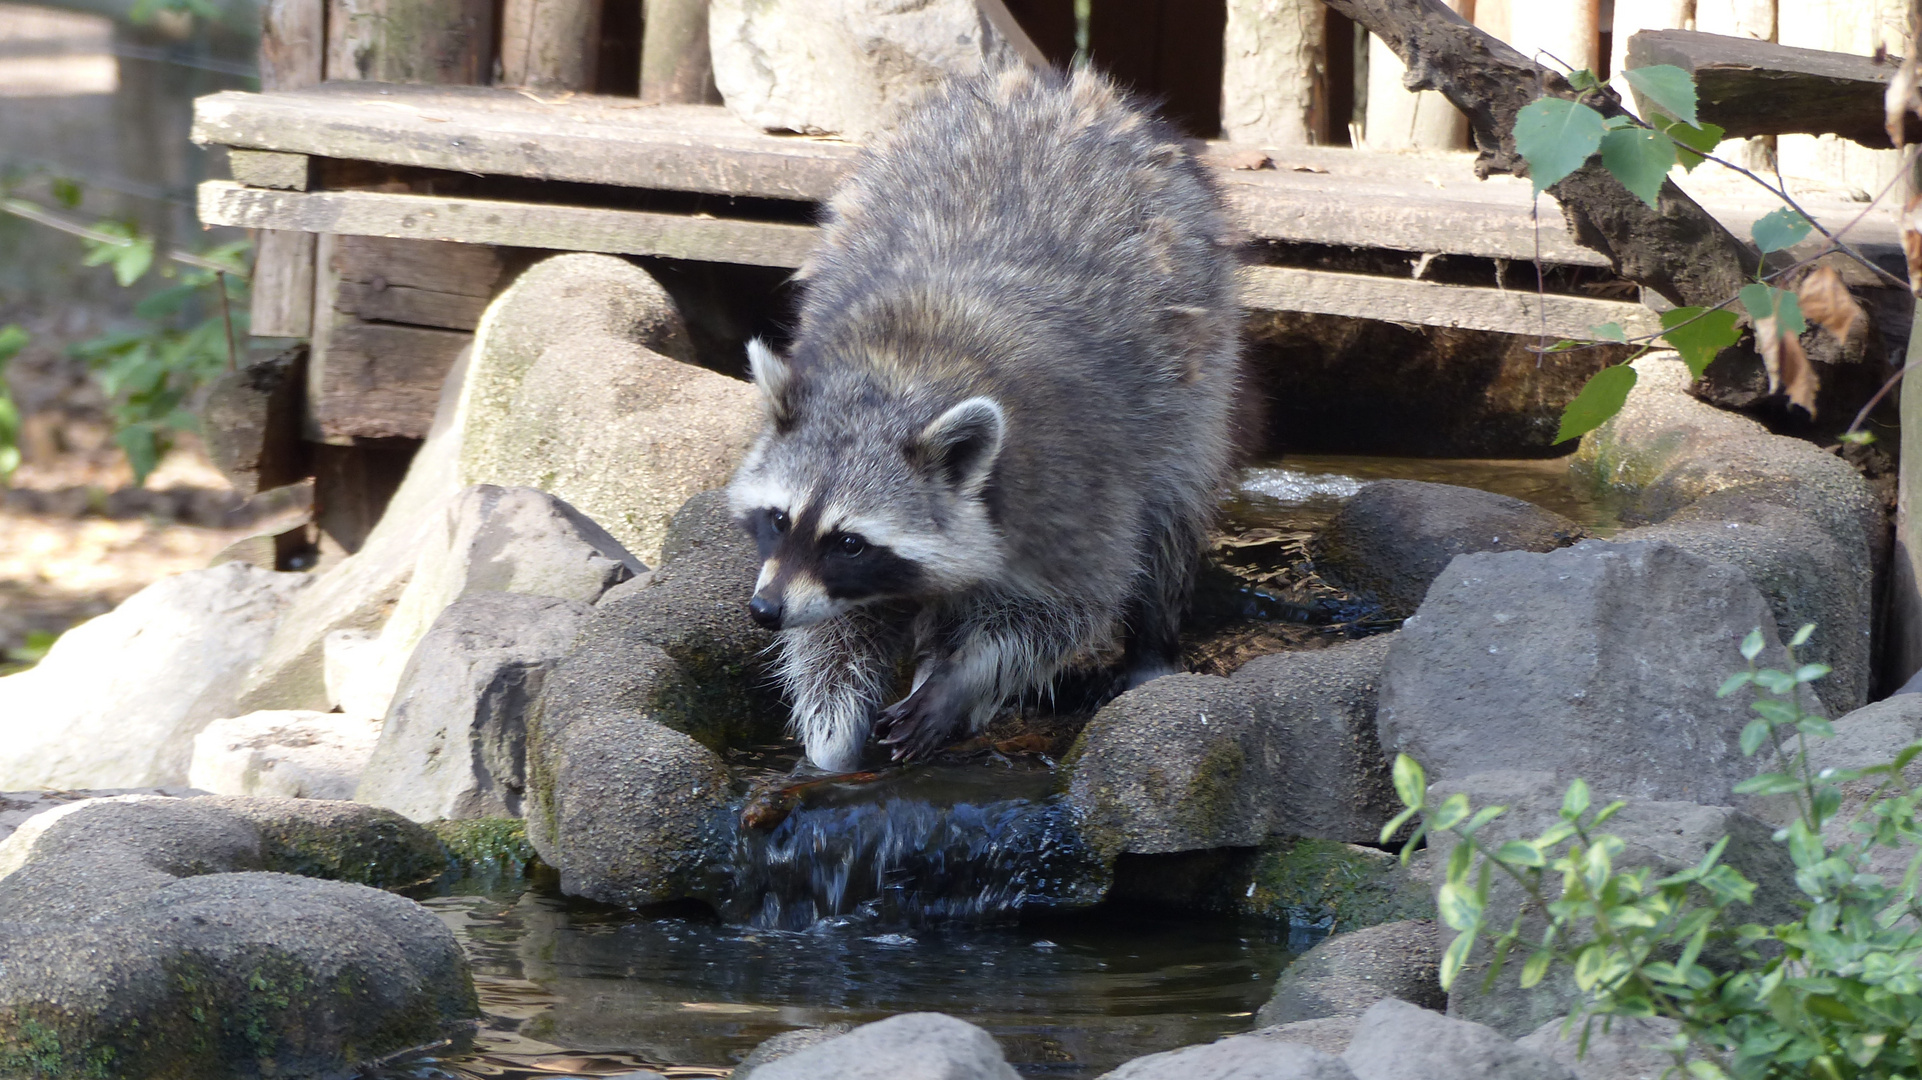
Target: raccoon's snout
(764, 611)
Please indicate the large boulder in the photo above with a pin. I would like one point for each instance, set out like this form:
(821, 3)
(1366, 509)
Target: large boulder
(1664, 836)
(583, 385)
(1398, 1041)
(1394, 537)
(1869, 736)
(822, 67)
(171, 937)
(911, 1046)
(1599, 661)
(454, 742)
(1689, 467)
(489, 540)
(1284, 747)
(1243, 1057)
(1346, 974)
(118, 699)
(1339, 886)
(291, 754)
(1607, 1047)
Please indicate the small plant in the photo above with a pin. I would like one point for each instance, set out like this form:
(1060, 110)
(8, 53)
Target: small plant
(12, 340)
(1835, 994)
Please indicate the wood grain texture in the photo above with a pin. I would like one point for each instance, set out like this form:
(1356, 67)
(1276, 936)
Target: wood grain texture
(1404, 300)
(272, 169)
(381, 381)
(550, 45)
(282, 297)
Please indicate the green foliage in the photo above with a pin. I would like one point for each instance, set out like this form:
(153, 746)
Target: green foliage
(1833, 994)
(1780, 229)
(128, 252)
(1600, 398)
(1556, 136)
(1640, 158)
(1698, 334)
(1667, 87)
(12, 340)
(1766, 302)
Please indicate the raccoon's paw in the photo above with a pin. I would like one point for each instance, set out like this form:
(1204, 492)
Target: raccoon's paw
(917, 725)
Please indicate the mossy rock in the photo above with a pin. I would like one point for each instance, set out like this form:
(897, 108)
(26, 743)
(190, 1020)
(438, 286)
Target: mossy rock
(1345, 886)
(485, 846)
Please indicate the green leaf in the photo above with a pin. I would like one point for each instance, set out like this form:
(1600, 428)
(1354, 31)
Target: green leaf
(1454, 958)
(13, 338)
(1780, 229)
(1802, 636)
(1395, 823)
(1576, 800)
(1735, 682)
(1520, 853)
(1698, 334)
(1691, 141)
(1482, 817)
(1583, 79)
(1536, 967)
(1600, 399)
(1768, 784)
(1640, 159)
(1450, 813)
(1752, 644)
(1556, 136)
(1411, 784)
(1754, 735)
(1808, 673)
(67, 192)
(1458, 907)
(132, 261)
(142, 448)
(1609, 332)
(1667, 87)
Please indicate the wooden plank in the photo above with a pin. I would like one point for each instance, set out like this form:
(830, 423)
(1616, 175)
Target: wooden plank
(463, 270)
(1406, 300)
(381, 381)
(488, 221)
(410, 41)
(1274, 76)
(550, 45)
(270, 168)
(1760, 88)
(282, 303)
(293, 43)
(675, 65)
(402, 304)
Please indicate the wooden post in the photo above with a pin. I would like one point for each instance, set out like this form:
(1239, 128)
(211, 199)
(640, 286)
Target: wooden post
(1274, 76)
(1400, 120)
(675, 65)
(293, 45)
(411, 41)
(550, 45)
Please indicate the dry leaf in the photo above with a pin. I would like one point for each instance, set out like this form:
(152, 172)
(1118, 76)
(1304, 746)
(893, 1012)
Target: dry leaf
(1898, 99)
(1309, 168)
(1788, 366)
(1827, 302)
(1242, 159)
(1912, 243)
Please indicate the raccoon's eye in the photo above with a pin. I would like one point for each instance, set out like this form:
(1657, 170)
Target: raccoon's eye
(848, 545)
(780, 521)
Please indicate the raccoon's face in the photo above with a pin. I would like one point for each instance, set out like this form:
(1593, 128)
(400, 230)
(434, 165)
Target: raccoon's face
(850, 505)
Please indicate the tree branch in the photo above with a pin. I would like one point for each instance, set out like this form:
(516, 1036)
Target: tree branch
(1676, 249)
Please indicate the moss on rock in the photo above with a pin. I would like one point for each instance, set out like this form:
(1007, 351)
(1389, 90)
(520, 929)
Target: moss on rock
(1344, 885)
(485, 845)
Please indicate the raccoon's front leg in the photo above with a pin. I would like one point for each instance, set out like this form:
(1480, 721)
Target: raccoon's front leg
(836, 673)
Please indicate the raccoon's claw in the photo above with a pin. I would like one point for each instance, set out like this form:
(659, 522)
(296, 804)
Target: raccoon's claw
(912, 727)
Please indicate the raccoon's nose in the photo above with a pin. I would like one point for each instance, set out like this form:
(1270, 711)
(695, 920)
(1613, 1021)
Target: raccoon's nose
(766, 612)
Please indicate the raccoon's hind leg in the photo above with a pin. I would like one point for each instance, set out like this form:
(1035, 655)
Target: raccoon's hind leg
(976, 659)
(836, 673)
(1170, 556)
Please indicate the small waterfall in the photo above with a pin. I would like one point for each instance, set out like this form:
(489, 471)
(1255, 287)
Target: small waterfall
(901, 855)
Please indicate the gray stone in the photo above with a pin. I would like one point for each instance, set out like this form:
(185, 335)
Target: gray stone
(1284, 747)
(1619, 1047)
(142, 938)
(118, 699)
(1872, 735)
(454, 744)
(822, 67)
(1243, 1057)
(583, 385)
(1666, 837)
(1666, 450)
(1599, 661)
(787, 1042)
(1330, 1034)
(1342, 886)
(16, 807)
(1398, 1041)
(489, 540)
(293, 754)
(1346, 974)
(1394, 537)
(912, 1046)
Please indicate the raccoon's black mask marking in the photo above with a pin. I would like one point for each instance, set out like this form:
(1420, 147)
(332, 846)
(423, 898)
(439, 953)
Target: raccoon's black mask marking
(848, 566)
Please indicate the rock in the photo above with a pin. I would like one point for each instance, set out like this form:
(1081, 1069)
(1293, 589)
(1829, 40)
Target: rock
(1243, 1057)
(118, 699)
(694, 608)
(489, 540)
(16, 807)
(1666, 837)
(1283, 747)
(1341, 886)
(825, 68)
(478, 847)
(1398, 1041)
(1667, 451)
(300, 755)
(1330, 1035)
(1394, 537)
(1599, 661)
(1346, 974)
(609, 413)
(251, 422)
(343, 655)
(1872, 735)
(455, 741)
(787, 1042)
(142, 939)
(911, 1046)
(1619, 1047)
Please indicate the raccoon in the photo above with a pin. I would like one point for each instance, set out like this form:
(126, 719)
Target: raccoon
(1004, 424)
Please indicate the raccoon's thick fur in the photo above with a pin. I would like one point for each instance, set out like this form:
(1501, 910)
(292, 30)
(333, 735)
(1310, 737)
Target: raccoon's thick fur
(1003, 427)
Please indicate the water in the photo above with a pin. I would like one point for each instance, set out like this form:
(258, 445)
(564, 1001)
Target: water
(1304, 491)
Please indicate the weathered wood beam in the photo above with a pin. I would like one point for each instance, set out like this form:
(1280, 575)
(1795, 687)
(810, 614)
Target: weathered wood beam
(675, 66)
(410, 41)
(1677, 249)
(1751, 87)
(550, 45)
(271, 169)
(1405, 300)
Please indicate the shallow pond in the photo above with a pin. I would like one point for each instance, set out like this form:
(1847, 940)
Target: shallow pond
(1303, 491)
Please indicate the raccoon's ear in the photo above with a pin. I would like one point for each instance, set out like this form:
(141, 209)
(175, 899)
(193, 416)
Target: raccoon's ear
(961, 444)
(772, 374)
